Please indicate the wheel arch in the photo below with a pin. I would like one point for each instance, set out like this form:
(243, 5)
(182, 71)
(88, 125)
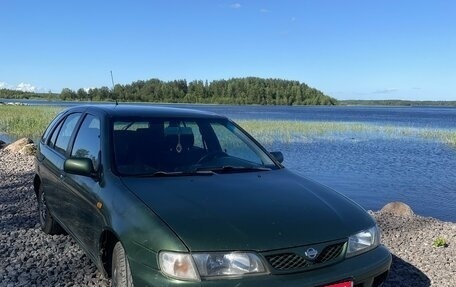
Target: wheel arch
(108, 240)
(36, 184)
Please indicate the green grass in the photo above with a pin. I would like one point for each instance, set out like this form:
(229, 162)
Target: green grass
(289, 131)
(30, 121)
(26, 121)
(294, 131)
(450, 138)
(445, 136)
(440, 242)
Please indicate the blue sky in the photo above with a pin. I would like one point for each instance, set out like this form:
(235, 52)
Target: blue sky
(349, 49)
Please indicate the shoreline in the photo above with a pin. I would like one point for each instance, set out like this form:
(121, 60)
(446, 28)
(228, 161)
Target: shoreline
(28, 257)
(340, 102)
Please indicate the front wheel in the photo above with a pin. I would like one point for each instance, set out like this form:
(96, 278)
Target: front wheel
(121, 274)
(47, 223)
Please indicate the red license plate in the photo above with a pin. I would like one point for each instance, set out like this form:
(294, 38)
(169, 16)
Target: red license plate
(341, 284)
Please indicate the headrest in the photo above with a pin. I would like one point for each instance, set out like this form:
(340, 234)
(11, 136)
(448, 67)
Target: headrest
(153, 132)
(179, 139)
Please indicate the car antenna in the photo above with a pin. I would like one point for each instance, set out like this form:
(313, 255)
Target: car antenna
(112, 81)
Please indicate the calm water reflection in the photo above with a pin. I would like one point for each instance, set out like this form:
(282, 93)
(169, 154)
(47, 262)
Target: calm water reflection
(376, 171)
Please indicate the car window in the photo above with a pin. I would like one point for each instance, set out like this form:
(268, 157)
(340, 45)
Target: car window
(63, 138)
(192, 128)
(232, 143)
(87, 141)
(130, 125)
(55, 132)
(50, 128)
(145, 146)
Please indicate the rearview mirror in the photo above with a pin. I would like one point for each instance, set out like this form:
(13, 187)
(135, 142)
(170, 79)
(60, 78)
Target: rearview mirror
(80, 166)
(277, 155)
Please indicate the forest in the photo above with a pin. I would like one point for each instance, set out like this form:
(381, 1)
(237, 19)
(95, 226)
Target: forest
(240, 91)
(16, 94)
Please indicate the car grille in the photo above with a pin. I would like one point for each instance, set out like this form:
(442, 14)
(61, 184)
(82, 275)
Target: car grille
(329, 253)
(292, 261)
(287, 261)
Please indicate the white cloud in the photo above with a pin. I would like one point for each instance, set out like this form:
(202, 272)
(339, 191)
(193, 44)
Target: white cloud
(264, 10)
(25, 87)
(88, 89)
(3, 85)
(235, 5)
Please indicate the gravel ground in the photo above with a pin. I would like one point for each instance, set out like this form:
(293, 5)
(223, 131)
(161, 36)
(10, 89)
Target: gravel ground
(28, 257)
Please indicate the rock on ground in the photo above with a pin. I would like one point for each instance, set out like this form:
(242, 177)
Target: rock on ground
(28, 257)
(23, 146)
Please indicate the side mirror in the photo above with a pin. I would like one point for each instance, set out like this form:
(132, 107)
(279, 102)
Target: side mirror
(277, 155)
(80, 166)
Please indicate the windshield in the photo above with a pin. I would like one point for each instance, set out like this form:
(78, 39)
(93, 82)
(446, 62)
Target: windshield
(175, 146)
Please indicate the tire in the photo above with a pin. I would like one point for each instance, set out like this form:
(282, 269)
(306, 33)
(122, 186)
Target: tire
(121, 274)
(47, 223)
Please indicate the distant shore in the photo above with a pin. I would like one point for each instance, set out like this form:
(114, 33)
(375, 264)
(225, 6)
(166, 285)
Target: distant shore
(376, 103)
(399, 103)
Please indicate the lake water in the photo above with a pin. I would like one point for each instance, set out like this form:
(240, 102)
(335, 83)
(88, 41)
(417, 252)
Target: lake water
(372, 168)
(369, 167)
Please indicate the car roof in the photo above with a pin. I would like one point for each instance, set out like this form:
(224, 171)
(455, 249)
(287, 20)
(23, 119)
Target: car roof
(146, 110)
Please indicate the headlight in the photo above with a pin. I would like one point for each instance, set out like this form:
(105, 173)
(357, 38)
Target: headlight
(210, 265)
(363, 241)
(178, 265)
(228, 264)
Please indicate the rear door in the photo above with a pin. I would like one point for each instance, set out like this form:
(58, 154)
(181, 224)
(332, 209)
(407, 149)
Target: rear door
(53, 156)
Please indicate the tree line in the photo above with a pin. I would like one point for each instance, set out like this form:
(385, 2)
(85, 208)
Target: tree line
(15, 94)
(239, 91)
(249, 90)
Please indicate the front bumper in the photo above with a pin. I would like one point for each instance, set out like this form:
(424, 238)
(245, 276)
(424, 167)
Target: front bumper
(366, 270)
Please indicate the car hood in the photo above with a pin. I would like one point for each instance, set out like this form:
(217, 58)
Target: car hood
(250, 211)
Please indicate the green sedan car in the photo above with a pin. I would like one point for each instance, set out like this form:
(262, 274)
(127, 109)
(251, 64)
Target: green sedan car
(160, 196)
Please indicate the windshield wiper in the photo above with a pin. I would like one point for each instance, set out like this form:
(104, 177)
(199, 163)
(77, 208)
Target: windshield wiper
(176, 173)
(230, 168)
